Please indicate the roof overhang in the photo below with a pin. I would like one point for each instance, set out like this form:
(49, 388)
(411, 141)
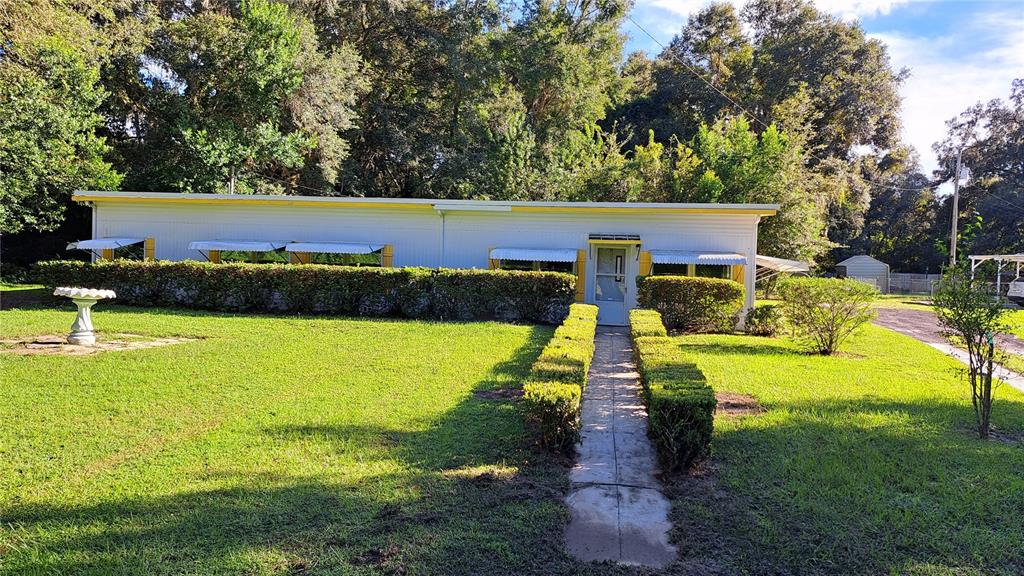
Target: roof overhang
(441, 206)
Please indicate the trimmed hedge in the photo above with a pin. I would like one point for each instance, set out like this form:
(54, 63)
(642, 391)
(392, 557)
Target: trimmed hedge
(680, 404)
(692, 304)
(318, 289)
(646, 323)
(554, 388)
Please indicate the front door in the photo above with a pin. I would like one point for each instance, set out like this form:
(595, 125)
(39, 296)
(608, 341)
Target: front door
(610, 284)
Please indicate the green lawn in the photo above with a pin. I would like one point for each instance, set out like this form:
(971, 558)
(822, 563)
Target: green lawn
(1015, 321)
(908, 301)
(861, 464)
(274, 445)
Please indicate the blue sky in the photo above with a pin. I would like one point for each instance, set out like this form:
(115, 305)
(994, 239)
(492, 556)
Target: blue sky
(958, 52)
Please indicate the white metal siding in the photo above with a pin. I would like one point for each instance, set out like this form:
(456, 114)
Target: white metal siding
(416, 232)
(868, 268)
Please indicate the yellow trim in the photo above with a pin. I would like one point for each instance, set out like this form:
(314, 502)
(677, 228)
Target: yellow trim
(214, 256)
(581, 275)
(492, 264)
(107, 254)
(300, 257)
(617, 242)
(645, 263)
(241, 199)
(149, 249)
(246, 201)
(387, 256)
(621, 210)
(737, 272)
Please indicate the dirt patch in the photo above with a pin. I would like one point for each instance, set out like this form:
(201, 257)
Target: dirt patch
(500, 394)
(737, 404)
(56, 345)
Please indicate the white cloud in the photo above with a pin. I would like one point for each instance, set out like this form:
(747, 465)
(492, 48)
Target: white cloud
(950, 73)
(848, 9)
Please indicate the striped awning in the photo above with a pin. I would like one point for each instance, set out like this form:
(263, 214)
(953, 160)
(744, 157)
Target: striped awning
(334, 247)
(687, 257)
(104, 243)
(236, 245)
(534, 254)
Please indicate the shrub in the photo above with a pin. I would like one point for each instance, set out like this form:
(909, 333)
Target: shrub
(645, 323)
(826, 311)
(555, 385)
(764, 321)
(692, 304)
(555, 407)
(968, 313)
(317, 289)
(680, 404)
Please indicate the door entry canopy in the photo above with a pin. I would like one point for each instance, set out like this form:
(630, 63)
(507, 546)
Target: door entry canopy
(614, 239)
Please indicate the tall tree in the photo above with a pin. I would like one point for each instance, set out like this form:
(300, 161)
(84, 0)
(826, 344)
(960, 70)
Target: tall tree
(50, 96)
(991, 137)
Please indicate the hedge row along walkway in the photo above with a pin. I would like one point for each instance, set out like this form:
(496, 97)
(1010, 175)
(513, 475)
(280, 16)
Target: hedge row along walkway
(618, 510)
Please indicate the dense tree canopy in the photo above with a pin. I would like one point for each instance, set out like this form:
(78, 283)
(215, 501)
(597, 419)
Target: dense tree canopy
(483, 99)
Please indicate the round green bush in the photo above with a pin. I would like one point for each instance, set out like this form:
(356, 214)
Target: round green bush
(691, 304)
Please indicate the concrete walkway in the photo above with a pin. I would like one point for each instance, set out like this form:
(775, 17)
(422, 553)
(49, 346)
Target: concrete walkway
(618, 510)
(924, 326)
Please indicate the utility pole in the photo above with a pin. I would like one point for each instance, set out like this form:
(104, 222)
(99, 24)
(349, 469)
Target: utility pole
(956, 209)
(231, 189)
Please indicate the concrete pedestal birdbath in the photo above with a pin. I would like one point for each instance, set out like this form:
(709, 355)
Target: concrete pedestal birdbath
(81, 331)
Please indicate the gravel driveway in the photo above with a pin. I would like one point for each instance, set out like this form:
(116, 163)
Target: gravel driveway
(924, 326)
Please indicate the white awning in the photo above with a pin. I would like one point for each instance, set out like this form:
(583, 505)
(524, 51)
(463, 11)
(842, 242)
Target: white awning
(333, 247)
(535, 254)
(236, 245)
(783, 265)
(684, 257)
(104, 243)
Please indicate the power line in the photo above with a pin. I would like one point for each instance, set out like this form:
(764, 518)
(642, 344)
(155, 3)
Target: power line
(754, 117)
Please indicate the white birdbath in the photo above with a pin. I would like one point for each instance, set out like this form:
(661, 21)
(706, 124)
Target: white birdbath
(84, 298)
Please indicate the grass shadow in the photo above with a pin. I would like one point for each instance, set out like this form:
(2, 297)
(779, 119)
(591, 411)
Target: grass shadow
(467, 496)
(857, 486)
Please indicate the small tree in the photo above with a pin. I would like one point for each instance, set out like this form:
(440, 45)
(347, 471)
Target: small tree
(970, 315)
(826, 311)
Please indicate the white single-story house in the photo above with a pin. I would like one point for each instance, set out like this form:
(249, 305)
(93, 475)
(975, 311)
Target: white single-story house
(605, 244)
(866, 269)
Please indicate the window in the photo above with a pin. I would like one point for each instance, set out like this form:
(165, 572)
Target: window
(669, 269)
(537, 265)
(713, 271)
(276, 256)
(700, 270)
(372, 259)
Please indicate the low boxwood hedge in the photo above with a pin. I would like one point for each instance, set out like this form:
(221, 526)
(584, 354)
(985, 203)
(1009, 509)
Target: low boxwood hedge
(692, 304)
(318, 289)
(680, 404)
(554, 388)
(646, 323)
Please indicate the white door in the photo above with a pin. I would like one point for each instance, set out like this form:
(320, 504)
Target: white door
(610, 284)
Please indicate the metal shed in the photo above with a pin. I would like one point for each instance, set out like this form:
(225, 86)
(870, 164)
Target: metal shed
(866, 269)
